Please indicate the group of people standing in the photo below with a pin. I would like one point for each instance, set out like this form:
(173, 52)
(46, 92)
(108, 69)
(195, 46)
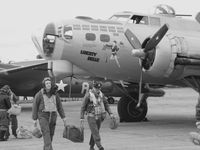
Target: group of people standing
(7, 99)
(46, 104)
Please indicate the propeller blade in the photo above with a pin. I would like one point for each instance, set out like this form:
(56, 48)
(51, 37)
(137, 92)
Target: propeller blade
(37, 43)
(197, 17)
(70, 87)
(140, 86)
(133, 40)
(157, 37)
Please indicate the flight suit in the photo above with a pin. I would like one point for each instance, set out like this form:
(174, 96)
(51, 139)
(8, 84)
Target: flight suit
(94, 116)
(45, 110)
(4, 106)
(13, 118)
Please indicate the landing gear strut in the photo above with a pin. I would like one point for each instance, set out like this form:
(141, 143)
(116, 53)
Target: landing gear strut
(128, 112)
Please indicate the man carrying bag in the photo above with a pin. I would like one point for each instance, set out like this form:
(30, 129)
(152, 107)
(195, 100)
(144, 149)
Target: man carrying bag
(95, 105)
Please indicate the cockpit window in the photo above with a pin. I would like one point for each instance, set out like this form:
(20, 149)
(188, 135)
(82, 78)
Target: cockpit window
(140, 19)
(120, 17)
(67, 33)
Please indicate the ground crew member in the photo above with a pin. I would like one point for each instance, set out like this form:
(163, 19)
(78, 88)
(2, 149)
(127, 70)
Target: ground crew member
(4, 106)
(45, 106)
(13, 118)
(95, 105)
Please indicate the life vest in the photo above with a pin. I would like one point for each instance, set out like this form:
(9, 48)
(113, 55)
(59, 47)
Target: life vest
(99, 107)
(49, 103)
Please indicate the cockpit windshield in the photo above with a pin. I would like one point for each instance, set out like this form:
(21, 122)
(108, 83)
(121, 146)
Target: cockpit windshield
(120, 17)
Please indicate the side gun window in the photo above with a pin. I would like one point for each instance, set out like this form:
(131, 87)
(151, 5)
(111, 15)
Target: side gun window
(104, 38)
(90, 36)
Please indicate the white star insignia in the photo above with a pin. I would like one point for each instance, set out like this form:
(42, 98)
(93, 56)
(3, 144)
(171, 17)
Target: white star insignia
(61, 86)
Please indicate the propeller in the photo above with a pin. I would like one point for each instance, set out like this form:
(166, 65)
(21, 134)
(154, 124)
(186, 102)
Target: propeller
(140, 85)
(149, 44)
(37, 41)
(145, 51)
(157, 37)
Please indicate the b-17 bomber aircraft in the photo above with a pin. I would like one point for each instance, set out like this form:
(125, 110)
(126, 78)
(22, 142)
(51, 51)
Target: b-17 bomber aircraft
(141, 49)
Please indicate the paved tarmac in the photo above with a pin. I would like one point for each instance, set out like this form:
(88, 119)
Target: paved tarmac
(171, 118)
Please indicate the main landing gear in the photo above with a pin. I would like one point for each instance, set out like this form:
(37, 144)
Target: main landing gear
(128, 110)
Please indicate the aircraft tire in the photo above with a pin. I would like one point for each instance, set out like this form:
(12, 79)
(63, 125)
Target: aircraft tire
(136, 114)
(111, 100)
(122, 108)
(129, 113)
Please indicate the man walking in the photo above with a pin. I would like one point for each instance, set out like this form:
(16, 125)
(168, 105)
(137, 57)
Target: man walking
(95, 105)
(45, 107)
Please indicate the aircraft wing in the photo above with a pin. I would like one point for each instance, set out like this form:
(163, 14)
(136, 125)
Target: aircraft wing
(24, 77)
(21, 66)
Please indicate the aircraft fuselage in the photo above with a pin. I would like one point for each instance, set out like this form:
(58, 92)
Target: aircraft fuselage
(87, 43)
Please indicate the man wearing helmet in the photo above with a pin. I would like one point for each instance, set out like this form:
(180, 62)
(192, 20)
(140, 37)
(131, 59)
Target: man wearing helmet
(95, 106)
(45, 107)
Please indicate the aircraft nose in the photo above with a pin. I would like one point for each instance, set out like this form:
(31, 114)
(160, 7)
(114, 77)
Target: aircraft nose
(49, 39)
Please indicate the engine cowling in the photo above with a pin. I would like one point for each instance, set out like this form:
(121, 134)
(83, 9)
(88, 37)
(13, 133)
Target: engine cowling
(62, 68)
(163, 61)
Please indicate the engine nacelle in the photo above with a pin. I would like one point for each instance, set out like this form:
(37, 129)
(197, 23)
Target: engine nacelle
(62, 69)
(163, 63)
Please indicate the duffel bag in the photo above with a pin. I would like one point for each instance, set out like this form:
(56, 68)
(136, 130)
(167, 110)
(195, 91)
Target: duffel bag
(23, 133)
(74, 133)
(36, 132)
(113, 123)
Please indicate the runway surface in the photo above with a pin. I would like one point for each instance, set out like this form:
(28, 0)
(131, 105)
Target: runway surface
(171, 118)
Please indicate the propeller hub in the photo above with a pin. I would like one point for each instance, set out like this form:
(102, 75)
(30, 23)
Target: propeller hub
(138, 53)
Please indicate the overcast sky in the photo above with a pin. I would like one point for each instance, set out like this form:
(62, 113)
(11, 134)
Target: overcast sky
(20, 18)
